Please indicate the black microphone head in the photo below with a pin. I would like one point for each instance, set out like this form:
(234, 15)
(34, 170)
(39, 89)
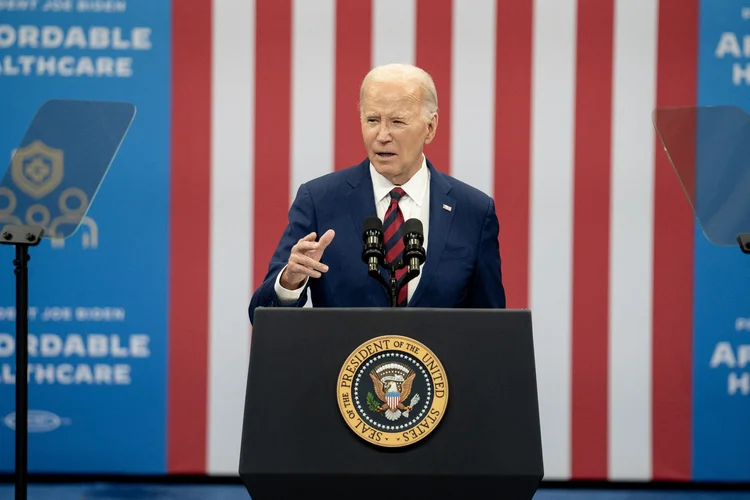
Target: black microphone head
(372, 253)
(372, 223)
(413, 251)
(412, 226)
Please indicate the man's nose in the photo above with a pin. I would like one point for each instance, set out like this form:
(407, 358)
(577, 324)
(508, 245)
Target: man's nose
(384, 133)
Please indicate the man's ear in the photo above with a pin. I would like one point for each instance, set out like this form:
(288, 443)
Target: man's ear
(431, 128)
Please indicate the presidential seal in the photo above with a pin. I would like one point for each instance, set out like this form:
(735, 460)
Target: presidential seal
(392, 391)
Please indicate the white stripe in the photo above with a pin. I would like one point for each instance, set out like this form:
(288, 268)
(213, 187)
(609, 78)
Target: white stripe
(393, 31)
(631, 258)
(313, 78)
(313, 85)
(553, 91)
(472, 124)
(231, 226)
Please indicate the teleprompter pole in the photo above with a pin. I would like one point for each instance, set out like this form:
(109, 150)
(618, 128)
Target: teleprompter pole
(22, 237)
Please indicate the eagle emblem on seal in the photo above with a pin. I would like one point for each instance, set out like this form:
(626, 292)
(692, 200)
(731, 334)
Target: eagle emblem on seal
(392, 382)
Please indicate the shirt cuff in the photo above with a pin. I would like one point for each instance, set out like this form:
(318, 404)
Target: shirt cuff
(287, 296)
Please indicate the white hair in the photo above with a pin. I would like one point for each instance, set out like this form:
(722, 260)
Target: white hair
(409, 73)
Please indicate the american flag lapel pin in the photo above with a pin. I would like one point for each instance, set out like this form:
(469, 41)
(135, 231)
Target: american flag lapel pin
(446, 207)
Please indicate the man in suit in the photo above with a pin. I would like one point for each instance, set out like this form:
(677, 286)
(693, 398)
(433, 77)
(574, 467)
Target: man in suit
(399, 116)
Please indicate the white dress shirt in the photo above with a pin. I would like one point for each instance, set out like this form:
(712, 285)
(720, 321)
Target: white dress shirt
(415, 204)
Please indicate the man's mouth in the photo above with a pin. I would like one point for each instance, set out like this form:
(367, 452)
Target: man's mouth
(385, 155)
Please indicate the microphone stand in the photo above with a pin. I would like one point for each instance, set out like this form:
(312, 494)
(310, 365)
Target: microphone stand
(374, 256)
(392, 286)
(396, 287)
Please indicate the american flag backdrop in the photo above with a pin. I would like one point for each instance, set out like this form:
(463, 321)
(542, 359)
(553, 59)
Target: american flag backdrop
(544, 104)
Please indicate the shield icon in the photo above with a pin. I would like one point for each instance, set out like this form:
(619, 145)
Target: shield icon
(37, 169)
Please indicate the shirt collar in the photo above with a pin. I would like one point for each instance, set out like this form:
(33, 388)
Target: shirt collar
(415, 188)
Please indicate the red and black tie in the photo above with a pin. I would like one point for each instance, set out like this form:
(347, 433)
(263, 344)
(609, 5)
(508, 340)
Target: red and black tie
(394, 240)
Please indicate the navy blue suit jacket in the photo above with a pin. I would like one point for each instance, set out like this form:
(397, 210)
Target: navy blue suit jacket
(462, 265)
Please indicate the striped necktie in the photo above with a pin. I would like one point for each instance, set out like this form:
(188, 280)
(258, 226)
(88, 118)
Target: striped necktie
(394, 240)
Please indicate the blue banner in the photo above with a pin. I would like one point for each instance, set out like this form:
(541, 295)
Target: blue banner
(721, 384)
(98, 315)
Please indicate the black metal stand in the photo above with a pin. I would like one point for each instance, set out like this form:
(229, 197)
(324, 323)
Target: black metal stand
(744, 242)
(394, 288)
(373, 255)
(22, 237)
(392, 285)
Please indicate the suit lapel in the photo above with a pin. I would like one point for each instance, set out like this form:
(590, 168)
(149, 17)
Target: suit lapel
(360, 200)
(439, 227)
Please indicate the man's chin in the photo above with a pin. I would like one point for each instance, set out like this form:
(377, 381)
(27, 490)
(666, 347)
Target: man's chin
(393, 172)
(386, 168)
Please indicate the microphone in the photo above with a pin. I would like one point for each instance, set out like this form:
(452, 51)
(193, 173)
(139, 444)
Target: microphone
(373, 253)
(414, 254)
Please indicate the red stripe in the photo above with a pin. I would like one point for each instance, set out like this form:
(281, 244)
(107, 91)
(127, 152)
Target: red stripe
(394, 226)
(591, 238)
(273, 72)
(677, 68)
(395, 250)
(353, 48)
(390, 232)
(512, 143)
(189, 208)
(433, 54)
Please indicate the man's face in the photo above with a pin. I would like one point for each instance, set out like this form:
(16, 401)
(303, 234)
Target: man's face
(394, 129)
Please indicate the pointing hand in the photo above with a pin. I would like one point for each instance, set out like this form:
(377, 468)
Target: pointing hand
(304, 260)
